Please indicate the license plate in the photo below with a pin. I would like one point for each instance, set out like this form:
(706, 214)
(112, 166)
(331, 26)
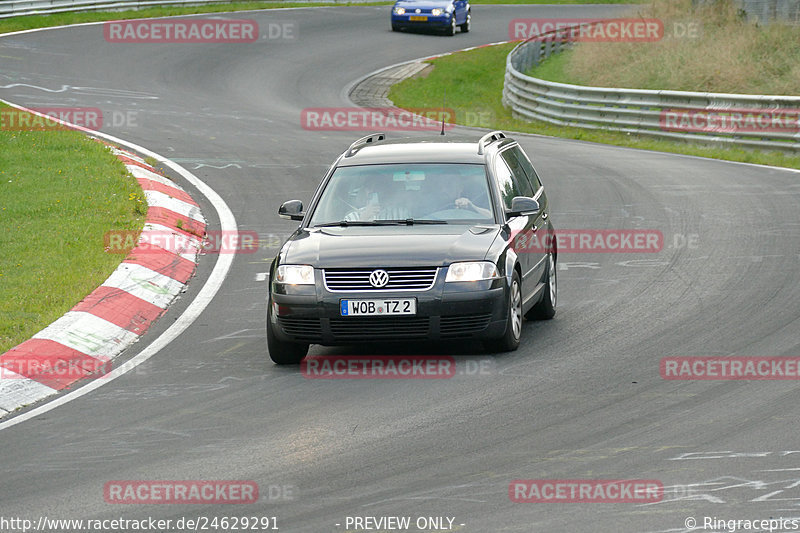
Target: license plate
(417, 18)
(381, 307)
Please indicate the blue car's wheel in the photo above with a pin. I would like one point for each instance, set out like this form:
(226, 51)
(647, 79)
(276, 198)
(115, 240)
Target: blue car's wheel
(451, 30)
(465, 27)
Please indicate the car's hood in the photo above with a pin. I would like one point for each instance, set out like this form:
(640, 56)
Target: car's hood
(385, 246)
(423, 4)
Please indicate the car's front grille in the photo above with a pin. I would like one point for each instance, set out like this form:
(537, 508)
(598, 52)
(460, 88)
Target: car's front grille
(301, 328)
(400, 279)
(463, 325)
(380, 328)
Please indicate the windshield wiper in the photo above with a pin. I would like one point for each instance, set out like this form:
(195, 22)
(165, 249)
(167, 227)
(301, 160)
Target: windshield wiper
(381, 222)
(345, 223)
(412, 221)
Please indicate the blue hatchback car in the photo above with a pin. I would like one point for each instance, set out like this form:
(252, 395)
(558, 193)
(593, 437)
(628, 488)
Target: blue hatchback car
(443, 15)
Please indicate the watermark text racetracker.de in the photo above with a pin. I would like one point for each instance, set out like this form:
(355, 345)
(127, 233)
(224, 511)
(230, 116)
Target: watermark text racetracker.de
(180, 492)
(585, 491)
(632, 30)
(157, 241)
(588, 30)
(198, 31)
(50, 368)
(730, 368)
(590, 241)
(376, 119)
(56, 118)
(731, 120)
(385, 367)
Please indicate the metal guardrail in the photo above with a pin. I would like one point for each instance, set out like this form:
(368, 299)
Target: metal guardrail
(647, 112)
(18, 8)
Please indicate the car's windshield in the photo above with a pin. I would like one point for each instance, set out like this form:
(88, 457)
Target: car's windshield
(453, 193)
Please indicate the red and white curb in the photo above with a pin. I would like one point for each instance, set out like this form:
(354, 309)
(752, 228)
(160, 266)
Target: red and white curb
(83, 343)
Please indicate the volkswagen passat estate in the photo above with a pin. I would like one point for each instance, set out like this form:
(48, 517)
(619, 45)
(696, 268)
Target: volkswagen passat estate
(415, 239)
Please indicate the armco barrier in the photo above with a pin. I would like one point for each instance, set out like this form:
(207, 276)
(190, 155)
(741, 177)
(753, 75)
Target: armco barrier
(753, 121)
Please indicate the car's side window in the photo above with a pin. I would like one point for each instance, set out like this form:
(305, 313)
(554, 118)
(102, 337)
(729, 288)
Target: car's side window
(505, 182)
(517, 173)
(526, 165)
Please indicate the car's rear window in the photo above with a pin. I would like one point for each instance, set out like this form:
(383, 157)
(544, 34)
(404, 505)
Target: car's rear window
(453, 192)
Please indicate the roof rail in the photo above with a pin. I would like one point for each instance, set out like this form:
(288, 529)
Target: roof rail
(363, 141)
(489, 138)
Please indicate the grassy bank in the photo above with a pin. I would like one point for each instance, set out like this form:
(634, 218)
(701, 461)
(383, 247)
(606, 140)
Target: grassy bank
(710, 47)
(473, 82)
(60, 192)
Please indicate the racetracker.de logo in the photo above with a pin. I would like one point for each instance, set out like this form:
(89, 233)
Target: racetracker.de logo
(731, 120)
(376, 119)
(181, 31)
(44, 367)
(730, 368)
(585, 491)
(377, 367)
(180, 492)
(155, 241)
(18, 120)
(630, 30)
(598, 241)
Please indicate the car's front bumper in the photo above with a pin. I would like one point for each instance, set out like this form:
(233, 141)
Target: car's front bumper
(406, 21)
(446, 311)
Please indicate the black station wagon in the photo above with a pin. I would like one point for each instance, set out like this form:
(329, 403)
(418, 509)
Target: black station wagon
(415, 239)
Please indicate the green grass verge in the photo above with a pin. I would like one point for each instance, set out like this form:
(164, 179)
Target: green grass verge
(473, 82)
(60, 192)
(60, 19)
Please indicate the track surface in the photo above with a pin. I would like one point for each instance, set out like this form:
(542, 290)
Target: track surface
(581, 398)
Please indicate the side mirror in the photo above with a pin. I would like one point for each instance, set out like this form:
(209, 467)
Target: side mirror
(523, 206)
(293, 210)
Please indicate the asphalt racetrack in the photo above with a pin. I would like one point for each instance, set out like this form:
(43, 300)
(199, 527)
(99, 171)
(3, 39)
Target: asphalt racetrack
(582, 398)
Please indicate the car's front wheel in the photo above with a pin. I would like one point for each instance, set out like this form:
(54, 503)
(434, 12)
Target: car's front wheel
(546, 308)
(282, 352)
(451, 30)
(395, 27)
(510, 339)
(467, 23)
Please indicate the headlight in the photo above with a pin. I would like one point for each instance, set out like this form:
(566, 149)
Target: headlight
(436, 12)
(471, 271)
(295, 274)
(399, 11)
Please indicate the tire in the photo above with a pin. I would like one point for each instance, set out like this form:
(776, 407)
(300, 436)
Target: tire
(511, 338)
(450, 31)
(546, 308)
(395, 27)
(467, 23)
(282, 352)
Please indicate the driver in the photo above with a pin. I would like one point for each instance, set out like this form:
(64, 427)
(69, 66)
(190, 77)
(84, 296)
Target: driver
(462, 202)
(445, 191)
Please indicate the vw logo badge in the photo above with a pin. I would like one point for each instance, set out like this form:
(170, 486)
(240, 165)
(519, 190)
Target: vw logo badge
(378, 278)
(418, 10)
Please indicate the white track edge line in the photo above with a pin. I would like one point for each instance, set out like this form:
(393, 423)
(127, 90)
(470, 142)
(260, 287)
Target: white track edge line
(189, 315)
